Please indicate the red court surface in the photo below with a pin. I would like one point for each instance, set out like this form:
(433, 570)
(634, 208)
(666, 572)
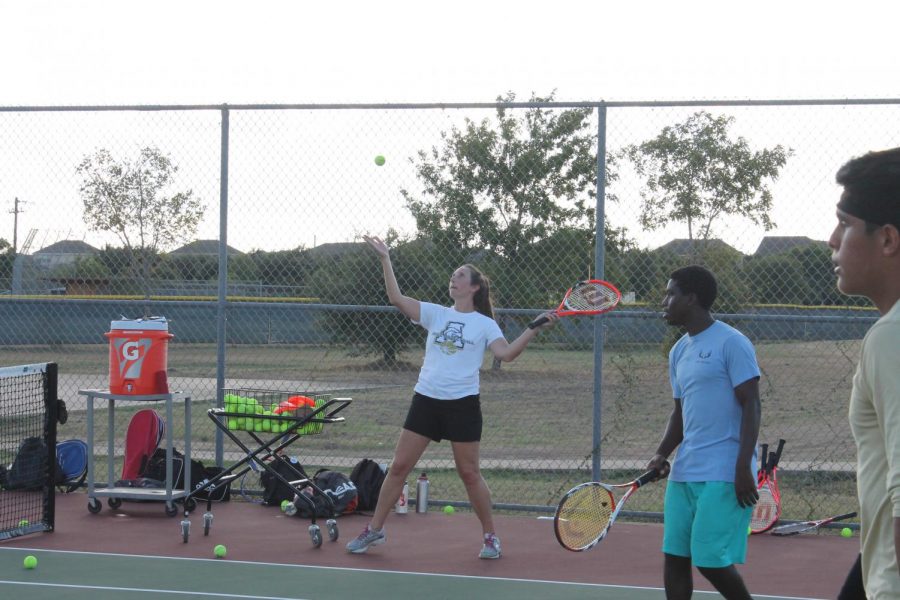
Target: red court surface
(810, 566)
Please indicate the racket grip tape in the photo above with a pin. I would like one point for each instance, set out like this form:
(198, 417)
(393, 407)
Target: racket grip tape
(651, 475)
(538, 322)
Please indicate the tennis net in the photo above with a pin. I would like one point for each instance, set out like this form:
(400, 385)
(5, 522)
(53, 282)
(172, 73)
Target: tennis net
(28, 417)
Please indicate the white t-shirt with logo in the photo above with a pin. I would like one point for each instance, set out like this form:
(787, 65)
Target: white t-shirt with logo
(454, 350)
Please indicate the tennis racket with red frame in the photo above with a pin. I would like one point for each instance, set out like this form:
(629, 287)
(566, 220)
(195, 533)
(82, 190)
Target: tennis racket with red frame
(768, 508)
(808, 526)
(590, 297)
(587, 512)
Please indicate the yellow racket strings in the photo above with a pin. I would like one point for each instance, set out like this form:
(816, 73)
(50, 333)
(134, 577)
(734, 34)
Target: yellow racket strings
(585, 515)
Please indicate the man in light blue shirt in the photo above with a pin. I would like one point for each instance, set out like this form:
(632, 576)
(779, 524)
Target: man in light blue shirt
(715, 425)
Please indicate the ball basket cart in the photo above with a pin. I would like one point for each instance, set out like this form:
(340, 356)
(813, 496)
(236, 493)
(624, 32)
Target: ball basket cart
(268, 421)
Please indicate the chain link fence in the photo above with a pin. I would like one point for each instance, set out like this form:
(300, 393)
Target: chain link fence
(131, 211)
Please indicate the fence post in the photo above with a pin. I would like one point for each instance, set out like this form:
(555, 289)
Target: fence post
(223, 280)
(599, 268)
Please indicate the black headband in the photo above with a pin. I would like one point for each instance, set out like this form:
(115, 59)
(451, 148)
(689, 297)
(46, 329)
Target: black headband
(877, 206)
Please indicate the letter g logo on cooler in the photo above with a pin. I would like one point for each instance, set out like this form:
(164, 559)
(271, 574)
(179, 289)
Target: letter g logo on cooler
(131, 355)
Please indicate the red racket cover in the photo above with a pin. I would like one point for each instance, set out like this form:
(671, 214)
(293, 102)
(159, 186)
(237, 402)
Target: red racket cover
(141, 441)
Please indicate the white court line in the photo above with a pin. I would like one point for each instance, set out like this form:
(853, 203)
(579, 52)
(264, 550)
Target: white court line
(143, 590)
(385, 571)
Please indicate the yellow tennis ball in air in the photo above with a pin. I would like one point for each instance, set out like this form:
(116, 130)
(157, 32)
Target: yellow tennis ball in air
(30, 562)
(219, 551)
(847, 532)
(379, 160)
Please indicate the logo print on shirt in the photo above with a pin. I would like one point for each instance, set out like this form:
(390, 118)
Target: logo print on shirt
(451, 340)
(705, 355)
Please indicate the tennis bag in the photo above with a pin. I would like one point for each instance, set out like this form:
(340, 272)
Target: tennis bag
(155, 468)
(29, 468)
(367, 476)
(274, 491)
(145, 431)
(71, 460)
(336, 486)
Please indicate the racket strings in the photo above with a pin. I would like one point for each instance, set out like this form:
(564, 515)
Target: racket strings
(591, 296)
(766, 511)
(585, 515)
(795, 528)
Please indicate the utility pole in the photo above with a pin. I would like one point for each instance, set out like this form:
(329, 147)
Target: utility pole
(15, 211)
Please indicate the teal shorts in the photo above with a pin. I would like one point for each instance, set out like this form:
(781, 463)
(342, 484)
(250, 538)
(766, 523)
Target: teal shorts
(704, 522)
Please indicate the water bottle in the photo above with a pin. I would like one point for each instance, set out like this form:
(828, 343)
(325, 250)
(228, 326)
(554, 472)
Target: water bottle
(402, 506)
(422, 493)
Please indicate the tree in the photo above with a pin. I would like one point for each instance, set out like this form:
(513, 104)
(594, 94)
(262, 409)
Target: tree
(500, 186)
(135, 200)
(695, 173)
(355, 278)
(7, 257)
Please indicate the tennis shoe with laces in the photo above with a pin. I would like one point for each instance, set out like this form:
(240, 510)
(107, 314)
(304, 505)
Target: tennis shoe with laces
(369, 537)
(491, 547)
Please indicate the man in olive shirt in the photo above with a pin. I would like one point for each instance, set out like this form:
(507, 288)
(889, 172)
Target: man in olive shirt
(866, 254)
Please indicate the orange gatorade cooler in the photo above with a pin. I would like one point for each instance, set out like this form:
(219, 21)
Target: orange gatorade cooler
(138, 356)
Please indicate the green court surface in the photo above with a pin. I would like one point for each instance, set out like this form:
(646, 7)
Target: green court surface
(77, 575)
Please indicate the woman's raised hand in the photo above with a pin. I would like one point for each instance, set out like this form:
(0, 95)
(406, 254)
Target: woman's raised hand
(377, 245)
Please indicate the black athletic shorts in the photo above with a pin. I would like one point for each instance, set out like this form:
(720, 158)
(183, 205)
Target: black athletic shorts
(453, 420)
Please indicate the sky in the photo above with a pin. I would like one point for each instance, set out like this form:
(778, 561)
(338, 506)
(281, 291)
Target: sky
(278, 51)
(104, 52)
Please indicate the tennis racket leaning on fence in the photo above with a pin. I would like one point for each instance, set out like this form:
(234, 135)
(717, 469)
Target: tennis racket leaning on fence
(587, 512)
(809, 526)
(768, 508)
(590, 297)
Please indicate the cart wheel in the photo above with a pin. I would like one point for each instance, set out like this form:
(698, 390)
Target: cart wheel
(190, 504)
(315, 535)
(332, 529)
(94, 506)
(185, 530)
(207, 522)
(114, 503)
(171, 510)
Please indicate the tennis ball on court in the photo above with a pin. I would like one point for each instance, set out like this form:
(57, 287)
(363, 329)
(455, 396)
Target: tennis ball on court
(749, 529)
(219, 551)
(379, 160)
(449, 510)
(284, 505)
(23, 523)
(847, 532)
(30, 562)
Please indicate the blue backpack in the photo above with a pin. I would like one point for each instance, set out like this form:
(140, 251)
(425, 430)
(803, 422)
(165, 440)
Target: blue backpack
(71, 470)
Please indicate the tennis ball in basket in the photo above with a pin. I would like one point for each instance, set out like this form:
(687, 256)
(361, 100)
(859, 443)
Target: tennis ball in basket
(220, 551)
(379, 160)
(847, 532)
(449, 510)
(30, 562)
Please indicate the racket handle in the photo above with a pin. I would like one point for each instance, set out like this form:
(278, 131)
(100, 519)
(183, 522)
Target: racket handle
(846, 516)
(651, 475)
(538, 322)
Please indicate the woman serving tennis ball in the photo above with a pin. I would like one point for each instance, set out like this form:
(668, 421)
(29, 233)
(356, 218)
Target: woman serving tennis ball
(446, 402)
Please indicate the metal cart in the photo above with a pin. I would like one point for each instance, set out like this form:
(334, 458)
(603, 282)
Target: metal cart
(268, 445)
(115, 495)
